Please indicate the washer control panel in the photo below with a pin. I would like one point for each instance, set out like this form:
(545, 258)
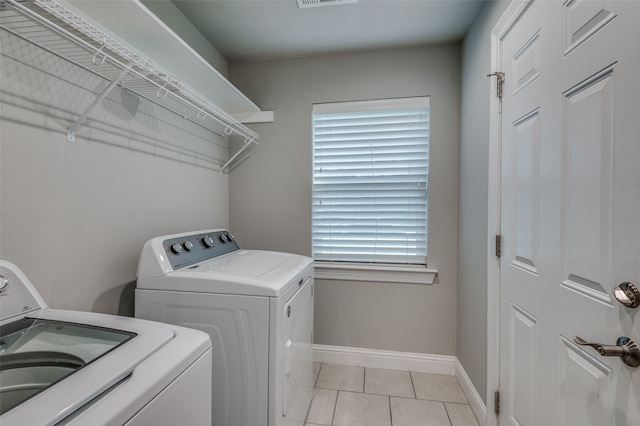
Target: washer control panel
(187, 250)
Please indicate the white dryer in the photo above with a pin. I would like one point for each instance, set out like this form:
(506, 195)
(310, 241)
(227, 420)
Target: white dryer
(80, 368)
(257, 307)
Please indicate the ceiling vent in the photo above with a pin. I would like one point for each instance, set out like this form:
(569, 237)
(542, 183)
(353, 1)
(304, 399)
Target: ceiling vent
(304, 4)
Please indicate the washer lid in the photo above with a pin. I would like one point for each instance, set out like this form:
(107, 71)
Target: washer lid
(243, 272)
(35, 354)
(55, 362)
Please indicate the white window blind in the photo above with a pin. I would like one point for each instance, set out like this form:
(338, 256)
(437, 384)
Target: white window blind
(370, 181)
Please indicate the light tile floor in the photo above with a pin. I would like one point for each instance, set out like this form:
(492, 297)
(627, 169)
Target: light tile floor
(358, 396)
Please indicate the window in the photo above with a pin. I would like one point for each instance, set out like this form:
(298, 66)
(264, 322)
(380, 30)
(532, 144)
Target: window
(370, 181)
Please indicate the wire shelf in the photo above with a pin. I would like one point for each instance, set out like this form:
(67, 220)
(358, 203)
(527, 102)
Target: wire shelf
(58, 30)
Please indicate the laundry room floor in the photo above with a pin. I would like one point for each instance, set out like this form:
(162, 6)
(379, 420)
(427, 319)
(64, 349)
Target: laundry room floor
(358, 396)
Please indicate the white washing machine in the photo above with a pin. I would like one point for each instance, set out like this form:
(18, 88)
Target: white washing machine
(80, 368)
(257, 307)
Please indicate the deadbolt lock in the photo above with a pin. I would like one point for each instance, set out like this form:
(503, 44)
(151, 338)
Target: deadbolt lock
(627, 294)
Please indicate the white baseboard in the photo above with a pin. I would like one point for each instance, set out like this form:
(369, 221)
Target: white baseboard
(371, 358)
(408, 361)
(478, 406)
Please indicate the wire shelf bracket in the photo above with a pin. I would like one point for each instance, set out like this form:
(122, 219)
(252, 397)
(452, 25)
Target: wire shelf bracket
(71, 133)
(247, 144)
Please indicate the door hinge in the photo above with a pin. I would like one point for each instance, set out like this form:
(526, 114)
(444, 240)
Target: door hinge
(498, 245)
(496, 403)
(500, 82)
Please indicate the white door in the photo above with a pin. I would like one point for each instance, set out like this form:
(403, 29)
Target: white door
(570, 212)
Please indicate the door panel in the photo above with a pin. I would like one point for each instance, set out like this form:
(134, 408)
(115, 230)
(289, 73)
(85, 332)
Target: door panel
(526, 137)
(587, 191)
(583, 378)
(570, 193)
(522, 367)
(526, 63)
(583, 19)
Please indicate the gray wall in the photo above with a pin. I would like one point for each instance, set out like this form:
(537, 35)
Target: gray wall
(74, 215)
(270, 193)
(472, 221)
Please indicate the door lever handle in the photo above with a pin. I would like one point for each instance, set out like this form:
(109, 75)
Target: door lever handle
(625, 348)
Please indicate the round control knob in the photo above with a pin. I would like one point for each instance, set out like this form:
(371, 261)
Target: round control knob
(176, 248)
(230, 237)
(188, 245)
(207, 241)
(223, 238)
(4, 283)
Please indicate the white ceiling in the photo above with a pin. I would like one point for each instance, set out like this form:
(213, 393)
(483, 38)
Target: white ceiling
(267, 29)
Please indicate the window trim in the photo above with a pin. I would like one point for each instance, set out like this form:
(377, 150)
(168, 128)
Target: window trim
(371, 105)
(375, 272)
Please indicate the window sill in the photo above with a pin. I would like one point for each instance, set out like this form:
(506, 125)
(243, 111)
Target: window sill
(388, 273)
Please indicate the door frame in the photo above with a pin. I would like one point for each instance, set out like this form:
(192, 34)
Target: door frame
(511, 16)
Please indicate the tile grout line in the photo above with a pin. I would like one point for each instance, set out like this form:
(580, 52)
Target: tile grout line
(315, 383)
(447, 411)
(413, 386)
(335, 406)
(364, 379)
(314, 387)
